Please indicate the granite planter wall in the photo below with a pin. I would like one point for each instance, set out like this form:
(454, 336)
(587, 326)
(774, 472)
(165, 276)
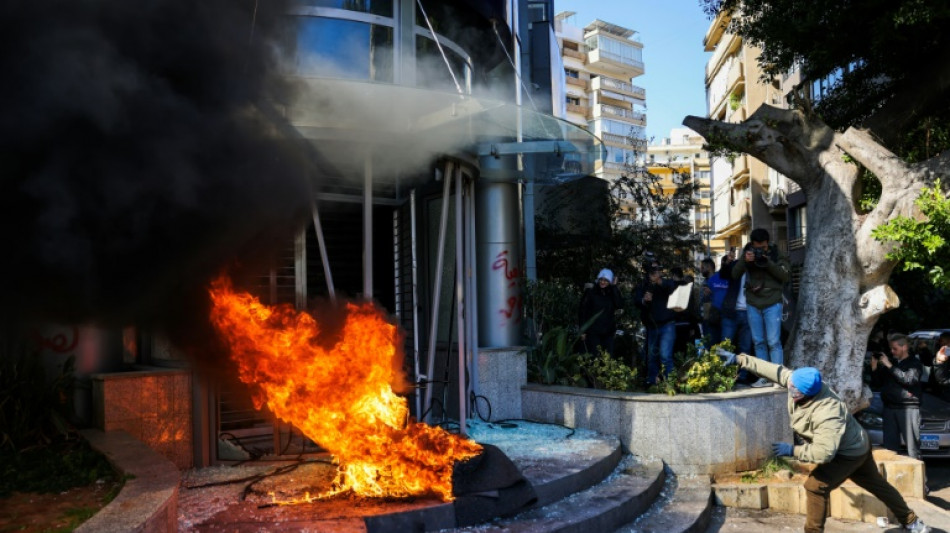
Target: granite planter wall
(501, 374)
(151, 404)
(693, 433)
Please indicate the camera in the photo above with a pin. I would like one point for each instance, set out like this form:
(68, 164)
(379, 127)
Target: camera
(761, 256)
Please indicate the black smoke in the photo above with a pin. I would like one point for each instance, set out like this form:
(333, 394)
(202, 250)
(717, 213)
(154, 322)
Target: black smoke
(139, 154)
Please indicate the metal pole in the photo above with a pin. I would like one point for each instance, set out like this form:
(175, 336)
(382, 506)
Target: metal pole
(368, 226)
(460, 300)
(415, 297)
(471, 303)
(437, 288)
(321, 242)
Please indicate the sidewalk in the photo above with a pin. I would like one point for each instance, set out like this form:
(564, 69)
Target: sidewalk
(734, 520)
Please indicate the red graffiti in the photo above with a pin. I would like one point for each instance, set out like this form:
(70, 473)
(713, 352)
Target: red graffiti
(59, 343)
(513, 308)
(501, 263)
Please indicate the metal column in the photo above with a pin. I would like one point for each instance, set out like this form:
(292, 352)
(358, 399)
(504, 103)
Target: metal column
(460, 300)
(498, 253)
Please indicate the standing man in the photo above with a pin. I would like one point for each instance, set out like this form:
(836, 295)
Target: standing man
(940, 377)
(714, 294)
(602, 300)
(901, 392)
(735, 322)
(766, 272)
(651, 298)
(832, 438)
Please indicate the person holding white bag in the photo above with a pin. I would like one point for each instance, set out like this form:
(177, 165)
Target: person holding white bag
(659, 320)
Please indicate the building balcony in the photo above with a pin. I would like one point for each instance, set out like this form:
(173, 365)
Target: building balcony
(638, 144)
(615, 63)
(717, 28)
(736, 76)
(613, 167)
(575, 54)
(579, 109)
(603, 83)
(737, 115)
(740, 171)
(629, 115)
(723, 49)
(578, 82)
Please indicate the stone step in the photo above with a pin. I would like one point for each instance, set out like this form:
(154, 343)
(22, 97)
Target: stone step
(624, 495)
(558, 462)
(686, 507)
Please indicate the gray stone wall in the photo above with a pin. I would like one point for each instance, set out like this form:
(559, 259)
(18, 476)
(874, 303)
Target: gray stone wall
(502, 372)
(694, 433)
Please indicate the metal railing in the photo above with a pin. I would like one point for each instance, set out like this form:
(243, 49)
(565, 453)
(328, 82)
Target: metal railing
(619, 58)
(621, 112)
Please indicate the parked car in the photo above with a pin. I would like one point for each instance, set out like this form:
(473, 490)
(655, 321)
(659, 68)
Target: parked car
(934, 425)
(923, 344)
(934, 411)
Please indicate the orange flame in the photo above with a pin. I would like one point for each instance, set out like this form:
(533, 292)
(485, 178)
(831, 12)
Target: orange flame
(341, 398)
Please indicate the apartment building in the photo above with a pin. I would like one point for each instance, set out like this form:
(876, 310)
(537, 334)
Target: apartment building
(746, 193)
(682, 153)
(601, 60)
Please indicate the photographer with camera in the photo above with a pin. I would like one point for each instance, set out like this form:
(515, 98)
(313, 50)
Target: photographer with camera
(901, 392)
(766, 272)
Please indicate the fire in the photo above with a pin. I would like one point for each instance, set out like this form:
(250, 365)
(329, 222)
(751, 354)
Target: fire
(342, 397)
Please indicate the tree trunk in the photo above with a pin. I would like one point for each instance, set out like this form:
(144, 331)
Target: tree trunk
(843, 286)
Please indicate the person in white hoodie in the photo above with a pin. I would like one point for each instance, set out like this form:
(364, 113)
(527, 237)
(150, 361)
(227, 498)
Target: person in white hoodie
(602, 301)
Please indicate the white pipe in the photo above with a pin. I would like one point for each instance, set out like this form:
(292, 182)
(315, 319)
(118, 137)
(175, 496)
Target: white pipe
(437, 288)
(318, 228)
(415, 297)
(368, 226)
(460, 301)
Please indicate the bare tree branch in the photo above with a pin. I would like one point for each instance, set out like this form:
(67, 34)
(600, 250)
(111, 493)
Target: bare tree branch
(889, 169)
(781, 138)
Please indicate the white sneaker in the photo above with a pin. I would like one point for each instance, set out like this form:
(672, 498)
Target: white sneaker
(762, 382)
(918, 526)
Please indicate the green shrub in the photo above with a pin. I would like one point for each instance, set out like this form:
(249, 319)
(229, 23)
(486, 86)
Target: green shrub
(608, 373)
(698, 373)
(33, 410)
(554, 362)
(53, 467)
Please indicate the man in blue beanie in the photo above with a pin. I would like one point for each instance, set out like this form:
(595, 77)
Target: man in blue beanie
(833, 439)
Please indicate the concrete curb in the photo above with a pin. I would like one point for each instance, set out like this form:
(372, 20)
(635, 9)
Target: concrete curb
(148, 502)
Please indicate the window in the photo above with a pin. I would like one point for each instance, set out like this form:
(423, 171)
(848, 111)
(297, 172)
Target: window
(797, 223)
(382, 8)
(342, 48)
(571, 73)
(573, 100)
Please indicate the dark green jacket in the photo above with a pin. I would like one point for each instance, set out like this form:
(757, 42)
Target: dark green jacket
(763, 284)
(823, 422)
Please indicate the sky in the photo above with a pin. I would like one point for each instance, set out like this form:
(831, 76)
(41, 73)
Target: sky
(672, 35)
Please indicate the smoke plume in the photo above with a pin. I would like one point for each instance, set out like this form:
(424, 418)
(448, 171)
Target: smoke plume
(136, 153)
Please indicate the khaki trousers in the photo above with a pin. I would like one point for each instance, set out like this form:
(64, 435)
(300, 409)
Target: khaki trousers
(863, 471)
